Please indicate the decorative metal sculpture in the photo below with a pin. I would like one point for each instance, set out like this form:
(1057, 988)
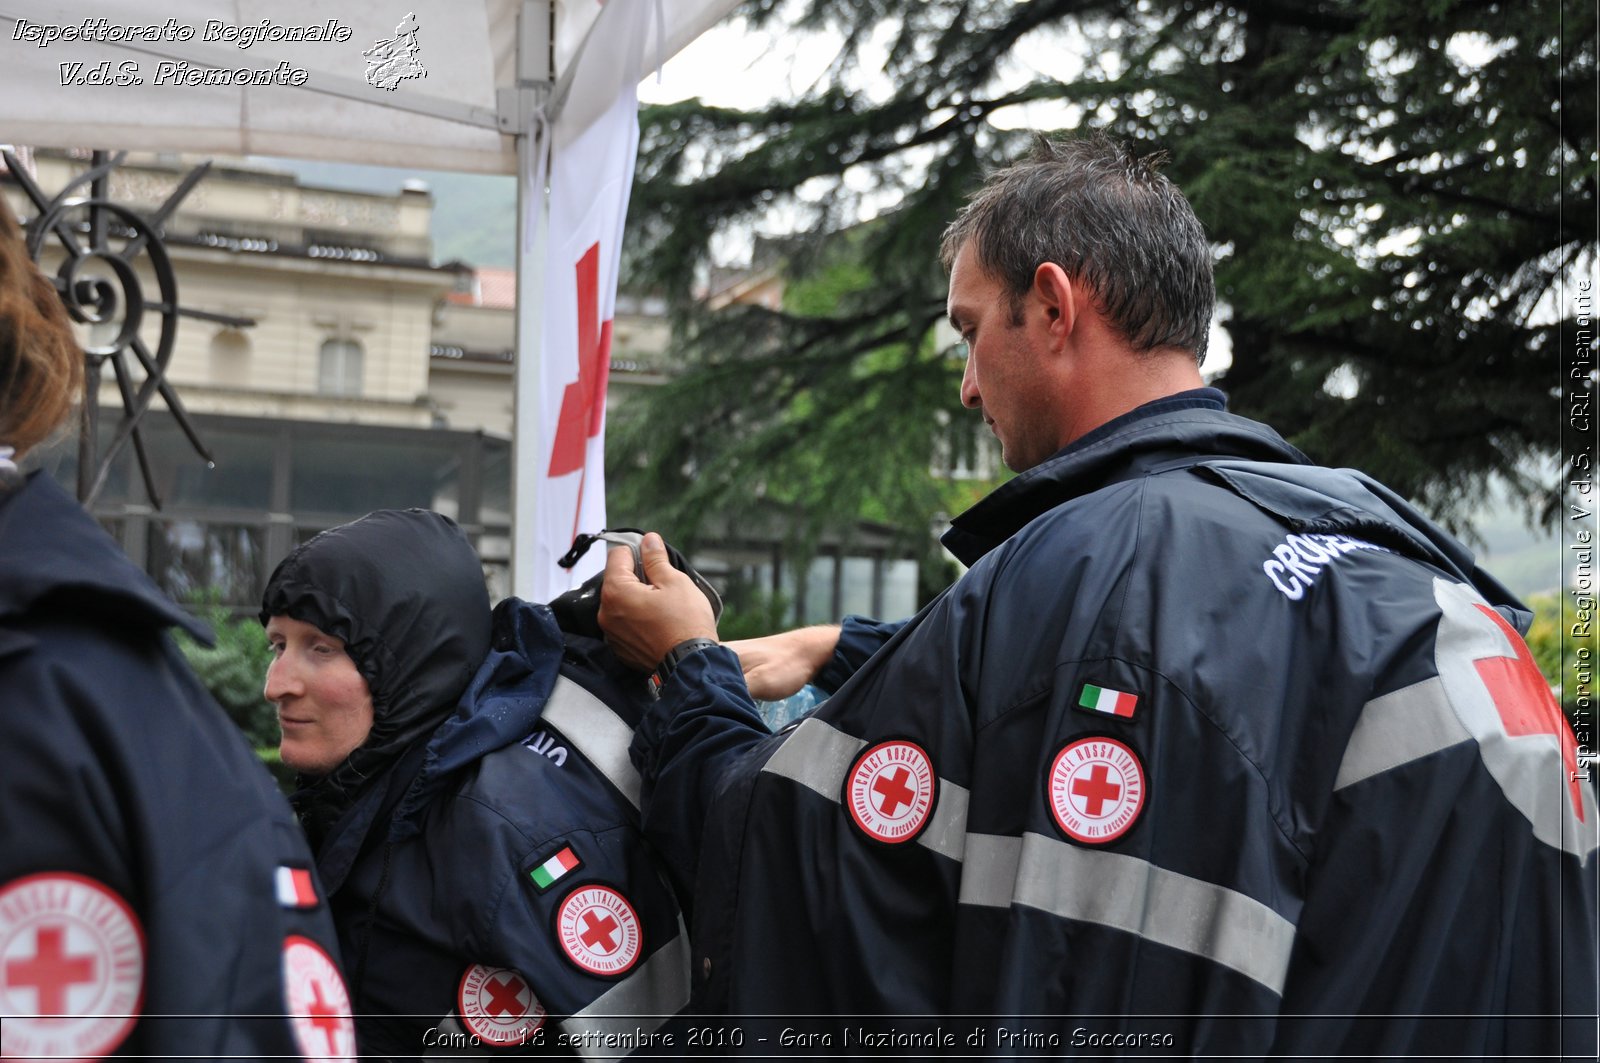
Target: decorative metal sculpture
(99, 285)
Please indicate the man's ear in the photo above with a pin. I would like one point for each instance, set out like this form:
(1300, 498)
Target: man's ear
(1058, 296)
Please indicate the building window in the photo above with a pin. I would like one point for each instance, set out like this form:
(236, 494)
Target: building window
(820, 605)
(195, 561)
(230, 358)
(339, 368)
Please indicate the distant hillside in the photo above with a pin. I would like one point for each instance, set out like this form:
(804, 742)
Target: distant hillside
(1527, 562)
(474, 215)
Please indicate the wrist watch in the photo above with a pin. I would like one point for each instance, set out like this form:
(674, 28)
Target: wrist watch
(674, 657)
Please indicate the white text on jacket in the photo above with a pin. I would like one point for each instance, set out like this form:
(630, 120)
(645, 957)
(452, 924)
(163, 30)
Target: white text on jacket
(1296, 562)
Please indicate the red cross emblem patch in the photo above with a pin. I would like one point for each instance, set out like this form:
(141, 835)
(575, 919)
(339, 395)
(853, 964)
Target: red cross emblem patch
(1096, 790)
(319, 1004)
(889, 791)
(497, 1004)
(71, 967)
(599, 931)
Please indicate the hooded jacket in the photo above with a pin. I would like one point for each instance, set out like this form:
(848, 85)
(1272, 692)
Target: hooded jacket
(404, 591)
(1211, 751)
(488, 877)
(154, 887)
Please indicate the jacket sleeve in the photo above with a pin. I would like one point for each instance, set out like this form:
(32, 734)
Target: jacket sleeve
(704, 735)
(699, 735)
(859, 639)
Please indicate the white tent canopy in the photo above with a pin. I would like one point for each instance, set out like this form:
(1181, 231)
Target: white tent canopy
(494, 86)
(464, 114)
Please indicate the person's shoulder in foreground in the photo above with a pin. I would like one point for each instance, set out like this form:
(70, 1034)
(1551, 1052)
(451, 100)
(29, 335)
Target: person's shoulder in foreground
(1205, 732)
(156, 897)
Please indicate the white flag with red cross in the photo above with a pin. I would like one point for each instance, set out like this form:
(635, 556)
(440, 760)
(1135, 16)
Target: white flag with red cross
(588, 136)
(590, 180)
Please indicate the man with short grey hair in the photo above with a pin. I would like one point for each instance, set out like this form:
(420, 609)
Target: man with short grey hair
(1211, 751)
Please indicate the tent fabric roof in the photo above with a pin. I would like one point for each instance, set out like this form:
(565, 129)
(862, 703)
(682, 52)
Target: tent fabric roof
(318, 102)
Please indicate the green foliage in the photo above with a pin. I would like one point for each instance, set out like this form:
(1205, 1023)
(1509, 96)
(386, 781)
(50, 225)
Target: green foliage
(234, 669)
(281, 772)
(749, 612)
(1564, 645)
(1391, 188)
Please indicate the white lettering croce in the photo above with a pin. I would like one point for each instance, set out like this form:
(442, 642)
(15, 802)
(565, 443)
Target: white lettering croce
(1296, 562)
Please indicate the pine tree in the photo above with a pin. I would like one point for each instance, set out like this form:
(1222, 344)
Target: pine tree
(1396, 190)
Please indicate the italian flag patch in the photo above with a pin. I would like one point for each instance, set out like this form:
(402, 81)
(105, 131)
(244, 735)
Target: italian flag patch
(1107, 701)
(295, 888)
(554, 869)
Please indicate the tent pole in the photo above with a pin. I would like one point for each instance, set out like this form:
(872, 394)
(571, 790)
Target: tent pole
(535, 31)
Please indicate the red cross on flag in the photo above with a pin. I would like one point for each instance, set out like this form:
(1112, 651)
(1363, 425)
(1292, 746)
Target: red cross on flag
(590, 179)
(581, 145)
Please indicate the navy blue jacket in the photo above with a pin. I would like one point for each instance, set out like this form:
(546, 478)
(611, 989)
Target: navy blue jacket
(452, 934)
(1207, 740)
(148, 865)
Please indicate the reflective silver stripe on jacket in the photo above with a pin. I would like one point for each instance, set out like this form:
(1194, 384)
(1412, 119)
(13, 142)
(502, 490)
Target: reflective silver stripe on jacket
(818, 756)
(1091, 885)
(659, 987)
(1401, 726)
(1126, 893)
(640, 1003)
(1457, 705)
(591, 727)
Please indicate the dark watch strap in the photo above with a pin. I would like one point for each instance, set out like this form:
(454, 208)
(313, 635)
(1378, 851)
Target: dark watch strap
(674, 657)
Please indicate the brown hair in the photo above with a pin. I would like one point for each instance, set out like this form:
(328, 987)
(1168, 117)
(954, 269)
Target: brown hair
(41, 367)
(1112, 221)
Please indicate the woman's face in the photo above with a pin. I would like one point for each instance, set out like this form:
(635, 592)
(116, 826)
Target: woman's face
(324, 707)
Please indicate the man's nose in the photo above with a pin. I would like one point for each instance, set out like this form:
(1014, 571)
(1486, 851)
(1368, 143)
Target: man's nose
(969, 387)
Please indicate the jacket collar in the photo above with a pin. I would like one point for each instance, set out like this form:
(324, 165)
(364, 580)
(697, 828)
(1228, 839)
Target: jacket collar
(500, 706)
(50, 547)
(1181, 428)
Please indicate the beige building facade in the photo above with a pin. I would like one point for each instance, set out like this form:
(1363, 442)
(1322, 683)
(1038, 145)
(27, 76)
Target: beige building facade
(331, 367)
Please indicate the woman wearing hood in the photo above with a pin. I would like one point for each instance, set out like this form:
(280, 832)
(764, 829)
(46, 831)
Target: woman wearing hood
(465, 785)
